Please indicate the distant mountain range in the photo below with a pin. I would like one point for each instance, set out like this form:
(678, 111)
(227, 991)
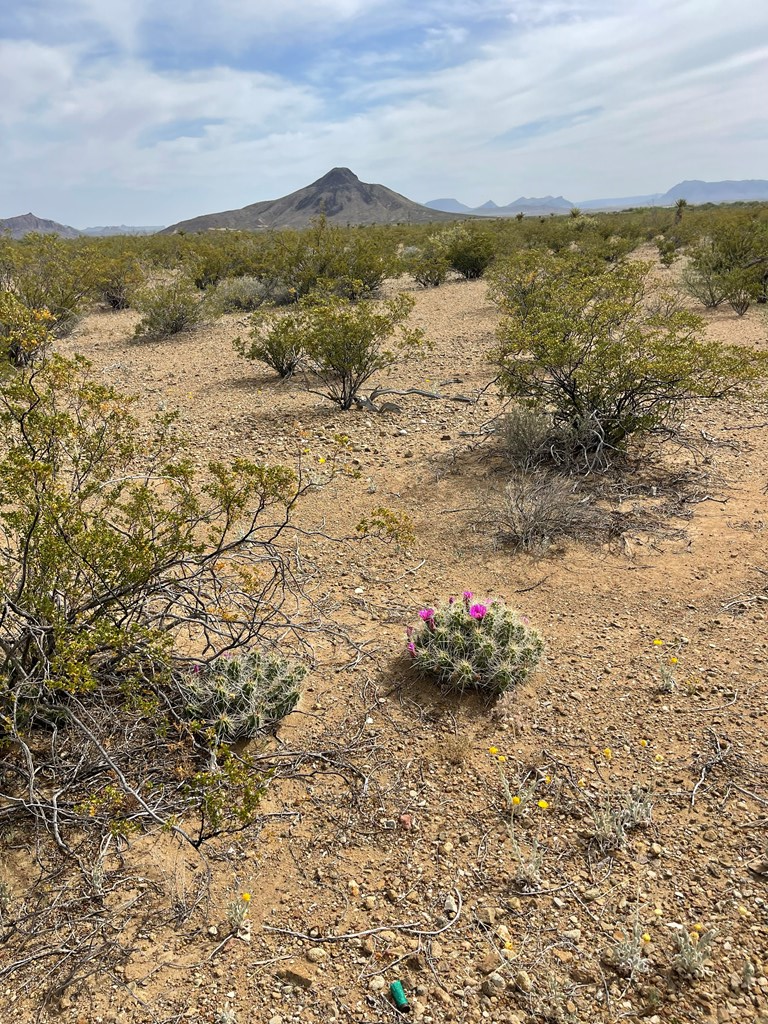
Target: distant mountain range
(695, 192)
(344, 199)
(339, 195)
(28, 223)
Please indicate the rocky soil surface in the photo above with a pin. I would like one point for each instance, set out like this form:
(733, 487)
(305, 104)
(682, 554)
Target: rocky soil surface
(397, 851)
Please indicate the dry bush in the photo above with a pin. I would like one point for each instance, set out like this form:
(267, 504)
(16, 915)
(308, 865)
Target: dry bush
(526, 436)
(539, 508)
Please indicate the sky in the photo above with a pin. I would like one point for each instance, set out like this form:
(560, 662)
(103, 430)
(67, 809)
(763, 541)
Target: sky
(153, 111)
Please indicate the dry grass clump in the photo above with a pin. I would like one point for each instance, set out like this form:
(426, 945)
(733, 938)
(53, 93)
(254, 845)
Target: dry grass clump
(540, 508)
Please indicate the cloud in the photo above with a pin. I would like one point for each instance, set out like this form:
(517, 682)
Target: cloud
(138, 111)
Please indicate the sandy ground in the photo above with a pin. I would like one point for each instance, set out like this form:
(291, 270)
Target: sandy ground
(419, 829)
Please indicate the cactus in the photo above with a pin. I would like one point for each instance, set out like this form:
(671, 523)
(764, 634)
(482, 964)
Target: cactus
(237, 697)
(470, 645)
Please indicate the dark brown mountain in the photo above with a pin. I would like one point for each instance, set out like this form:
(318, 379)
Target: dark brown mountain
(339, 194)
(28, 223)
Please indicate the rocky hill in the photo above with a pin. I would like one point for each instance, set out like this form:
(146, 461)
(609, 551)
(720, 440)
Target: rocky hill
(28, 223)
(339, 195)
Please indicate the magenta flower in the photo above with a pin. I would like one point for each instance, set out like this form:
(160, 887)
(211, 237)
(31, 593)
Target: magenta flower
(467, 595)
(478, 612)
(451, 600)
(426, 614)
(412, 649)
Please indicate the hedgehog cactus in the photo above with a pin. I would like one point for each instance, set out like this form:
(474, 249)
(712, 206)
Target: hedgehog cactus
(473, 645)
(237, 697)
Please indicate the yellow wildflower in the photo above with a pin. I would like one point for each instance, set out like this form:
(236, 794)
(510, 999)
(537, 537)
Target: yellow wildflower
(501, 759)
(658, 643)
(646, 937)
(543, 805)
(673, 660)
(582, 783)
(246, 897)
(516, 801)
(321, 459)
(547, 779)
(608, 753)
(698, 927)
(643, 743)
(659, 758)
(493, 751)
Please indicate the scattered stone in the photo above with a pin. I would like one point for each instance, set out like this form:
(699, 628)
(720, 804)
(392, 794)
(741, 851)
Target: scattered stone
(494, 985)
(377, 984)
(450, 907)
(316, 955)
(523, 981)
(488, 964)
(487, 916)
(369, 902)
(295, 977)
(574, 934)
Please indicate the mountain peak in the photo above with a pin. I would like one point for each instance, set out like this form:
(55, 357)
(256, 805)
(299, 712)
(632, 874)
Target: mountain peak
(337, 177)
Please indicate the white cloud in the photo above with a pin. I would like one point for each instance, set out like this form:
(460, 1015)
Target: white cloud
(477, 98)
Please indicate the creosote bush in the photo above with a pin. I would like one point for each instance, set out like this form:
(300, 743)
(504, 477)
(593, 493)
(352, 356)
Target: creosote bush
(579, 341)
(468, 645)
(169, 309)
(340, 344)
(237, 697)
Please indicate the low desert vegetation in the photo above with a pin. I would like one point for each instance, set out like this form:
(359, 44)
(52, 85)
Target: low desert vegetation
(161, 613)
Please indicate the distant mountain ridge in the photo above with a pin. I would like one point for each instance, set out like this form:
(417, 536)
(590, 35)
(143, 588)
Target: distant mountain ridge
(27, 223)
(340, 195)
(122, 229)
(694, 191)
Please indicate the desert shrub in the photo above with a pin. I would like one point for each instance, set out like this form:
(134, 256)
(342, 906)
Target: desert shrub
(428, 264)
(343, 344)
(578, 339)
(236, 698)
(731, 263)
(526, 435)
(116, 279)
(469, 645)
(240, 295)
(168, 309)
(469, 250)
(541, 507)
(116, 563)
(23, 332)
(54, 274)
(667, 249)
(274, 340)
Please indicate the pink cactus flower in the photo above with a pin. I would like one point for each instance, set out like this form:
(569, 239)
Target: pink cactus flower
(467, 595)
(478, 612)
(412, 649)
(426, 614)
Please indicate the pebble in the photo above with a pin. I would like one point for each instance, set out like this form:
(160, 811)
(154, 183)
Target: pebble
(523, 981)
(316, 955)
(377, 984)
(494, 985)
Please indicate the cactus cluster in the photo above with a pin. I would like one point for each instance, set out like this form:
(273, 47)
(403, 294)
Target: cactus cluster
(235, 698)
(471, 645)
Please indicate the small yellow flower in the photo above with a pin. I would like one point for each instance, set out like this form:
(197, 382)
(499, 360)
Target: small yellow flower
(582, 783)
(321, 459)
(698, 927)
(246, 897)
(646, 937)
(501, 759)
(643, 743)
(673, 660)
(543, 805)
(658, 643)
(516, 801)
(607, 753)
(547, 779)
(658, 758)
(493, 751)
(658, 912)
(508, 945)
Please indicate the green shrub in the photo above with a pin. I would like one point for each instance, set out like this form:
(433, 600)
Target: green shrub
(275, 340)
(23, 332)
(116, 562)
(468, 645)
(169, 309)
(54, 274)
(469, 250)
(116, 279)
(579, 340)
(236, 698)
(428, 264)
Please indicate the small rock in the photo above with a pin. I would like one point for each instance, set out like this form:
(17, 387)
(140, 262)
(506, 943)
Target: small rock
(295, 977)
(377, 984)
(450, 907)
(574, 934)
(316, 955)
(277, 1019)
(494, 985)
(486, 916)
(523, 981)
(656, 850)
(488, 964)
(369, 902)
(503, 933)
